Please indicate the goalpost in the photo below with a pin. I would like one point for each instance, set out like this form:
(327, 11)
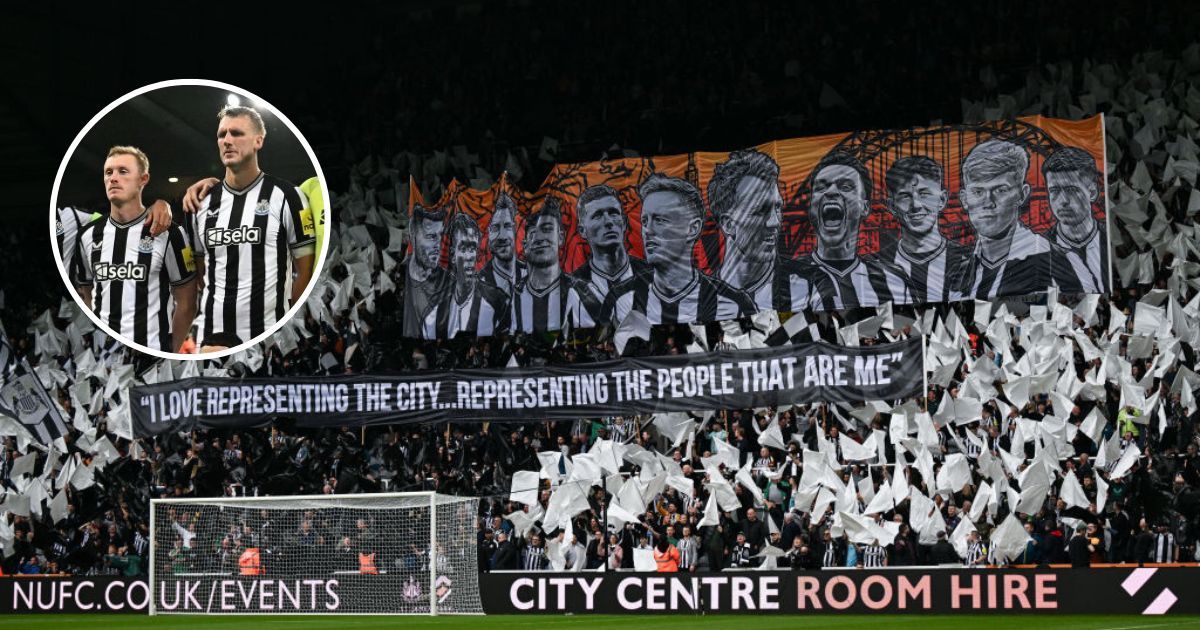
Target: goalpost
(408, 553)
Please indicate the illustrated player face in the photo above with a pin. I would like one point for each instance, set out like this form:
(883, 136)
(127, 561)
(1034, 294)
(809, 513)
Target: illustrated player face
(427, 242)
(752, 224)
(918, 203)
(123, 178)
(238, 140)
(1071, 196)
(602, 222)
(839, 203)
(669, 229)
(465, 254)
(502, 231)
(994, 204)
(542, 240)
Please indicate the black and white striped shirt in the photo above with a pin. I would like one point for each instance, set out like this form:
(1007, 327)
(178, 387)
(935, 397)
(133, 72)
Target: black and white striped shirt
(740, 555)
(131, 274)
(1089, 260)
(763, 465)
(141, 544)
(620, 429)
(539, 310)
(482, 313)
(975, 553)
(829, 558)
(245, 237)
(496, 275)
(971, 447)
(591, 286)
(1164, 547)
(816, 284)
(534, 559)
(874, 557)
(689, 552)
(934, 276)
(1031, 265)
(704, 299)
(68, 224)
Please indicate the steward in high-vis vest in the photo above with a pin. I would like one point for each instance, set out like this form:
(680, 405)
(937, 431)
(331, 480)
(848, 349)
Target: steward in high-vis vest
(666, 556)
(366, 564)
(250, 562)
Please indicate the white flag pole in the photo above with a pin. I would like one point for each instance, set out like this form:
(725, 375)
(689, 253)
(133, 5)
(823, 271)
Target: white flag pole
(924, 375)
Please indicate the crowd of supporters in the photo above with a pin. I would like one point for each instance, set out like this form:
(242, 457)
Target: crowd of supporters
(1151, 513)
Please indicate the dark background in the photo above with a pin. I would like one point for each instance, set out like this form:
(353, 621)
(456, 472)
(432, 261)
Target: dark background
(177, 129)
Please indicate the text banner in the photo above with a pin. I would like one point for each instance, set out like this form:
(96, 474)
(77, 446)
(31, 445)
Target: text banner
(776, 376)
(1071, 591)
(68, 594)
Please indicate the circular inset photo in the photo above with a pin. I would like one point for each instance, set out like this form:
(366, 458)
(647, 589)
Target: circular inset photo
(188, 219)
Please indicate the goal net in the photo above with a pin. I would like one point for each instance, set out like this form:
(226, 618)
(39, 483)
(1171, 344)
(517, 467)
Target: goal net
(404, 553)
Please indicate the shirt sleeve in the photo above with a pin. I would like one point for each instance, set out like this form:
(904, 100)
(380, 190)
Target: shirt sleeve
(196, 225)
(179, 257)
(298, 221)
(81, 265)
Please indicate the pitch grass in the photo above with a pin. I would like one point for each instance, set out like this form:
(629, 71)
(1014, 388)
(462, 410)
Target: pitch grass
(605, 622)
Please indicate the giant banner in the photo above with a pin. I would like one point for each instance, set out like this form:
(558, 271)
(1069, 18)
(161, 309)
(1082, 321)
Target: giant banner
(935, 214)
(777, 376)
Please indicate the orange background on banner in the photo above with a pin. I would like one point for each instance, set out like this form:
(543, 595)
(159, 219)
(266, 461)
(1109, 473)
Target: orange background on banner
(948, 145)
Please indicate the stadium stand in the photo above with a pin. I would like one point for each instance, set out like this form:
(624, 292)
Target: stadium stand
(1148, 513)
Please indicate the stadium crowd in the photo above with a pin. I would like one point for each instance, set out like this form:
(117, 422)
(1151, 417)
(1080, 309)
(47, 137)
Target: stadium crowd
(80, 506)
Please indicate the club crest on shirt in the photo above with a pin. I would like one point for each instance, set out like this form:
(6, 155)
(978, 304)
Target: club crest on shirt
(263, 208)
(58, 227)
(146, 245)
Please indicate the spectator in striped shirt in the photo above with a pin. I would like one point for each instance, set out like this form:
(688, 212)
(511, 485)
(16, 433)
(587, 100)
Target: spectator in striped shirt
(832, 551)
(689, 550)
(976, 551)
(799, 556)
(1165, 548)
(741, 553)
(875, 556)
(533, 557)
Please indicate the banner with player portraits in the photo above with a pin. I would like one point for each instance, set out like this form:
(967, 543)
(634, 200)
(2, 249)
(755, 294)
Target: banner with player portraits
(740, 379)
(922, 215)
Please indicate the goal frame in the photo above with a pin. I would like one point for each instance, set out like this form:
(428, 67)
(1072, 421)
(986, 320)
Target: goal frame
(431, 495)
